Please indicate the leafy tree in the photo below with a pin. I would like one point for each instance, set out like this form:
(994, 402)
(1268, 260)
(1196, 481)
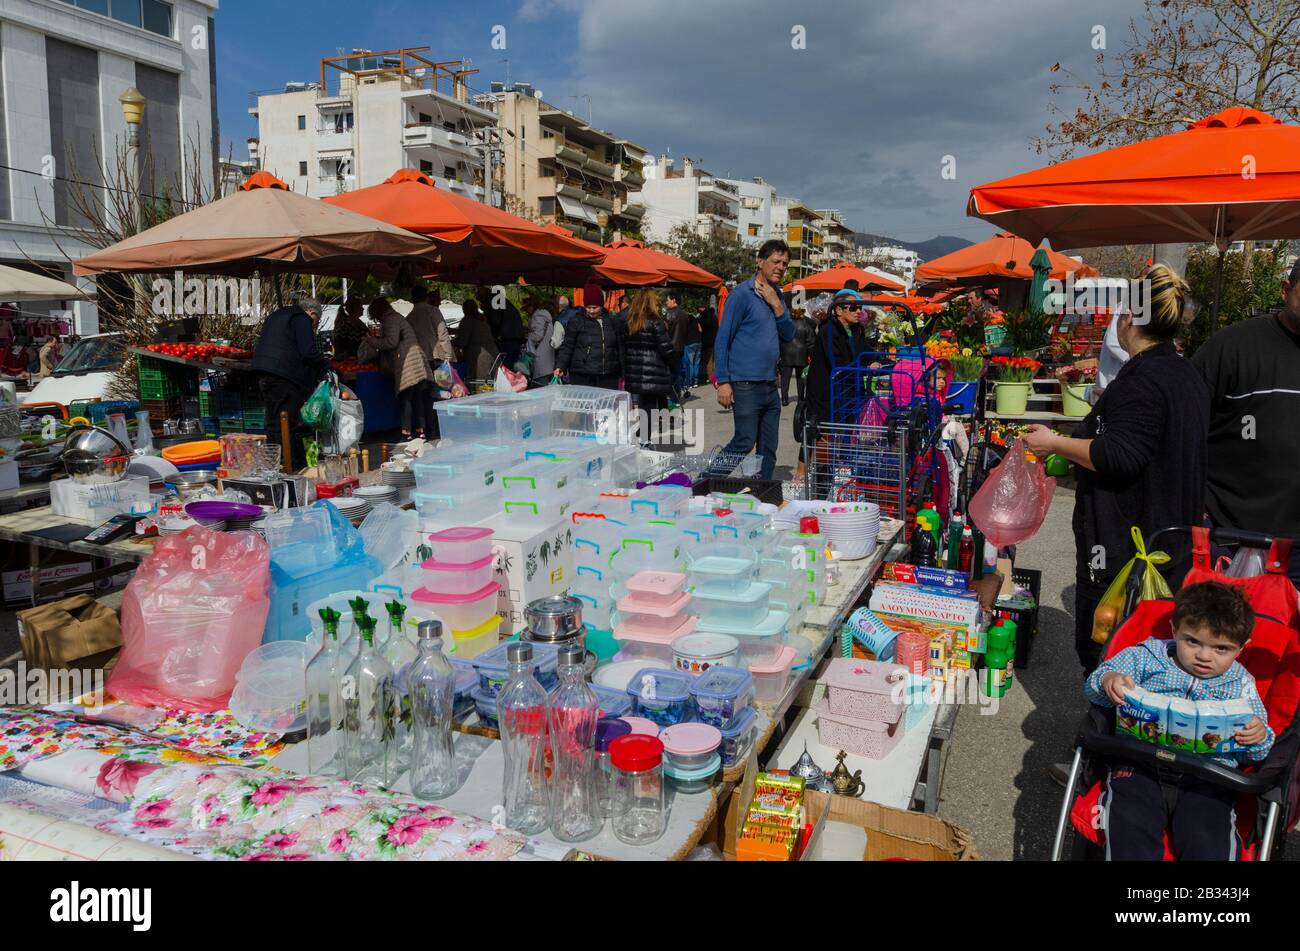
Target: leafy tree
(1184, 59)
(1252, 284)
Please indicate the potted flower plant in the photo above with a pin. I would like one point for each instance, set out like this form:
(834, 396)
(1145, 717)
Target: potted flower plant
(1075, 380)
(967, 367)
(1014, 378)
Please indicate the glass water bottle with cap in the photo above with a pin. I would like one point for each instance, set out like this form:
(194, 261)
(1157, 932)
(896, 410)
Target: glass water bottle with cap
(324, 702)
(367, 691)
(521, 713)
(400, 654)
(573, 713)
(431, 689)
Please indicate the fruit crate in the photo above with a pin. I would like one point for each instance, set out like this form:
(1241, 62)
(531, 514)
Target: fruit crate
(232, 425)
(160, 410)
(206, 407)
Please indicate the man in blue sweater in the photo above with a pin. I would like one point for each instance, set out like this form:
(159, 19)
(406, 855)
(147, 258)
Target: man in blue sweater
(754, 323)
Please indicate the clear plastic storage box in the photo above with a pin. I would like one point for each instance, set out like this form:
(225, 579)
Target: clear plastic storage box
(464, 470)
(738, 738)
(461, 546)
(760, 643)
(462, 612)
(661, 696)
(446, 579)
(96, 504)
(497, 419)
(739, 609)
(720, 694)
(723, 569)
(494, 672)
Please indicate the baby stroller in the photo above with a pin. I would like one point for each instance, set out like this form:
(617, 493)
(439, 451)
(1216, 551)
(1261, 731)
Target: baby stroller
(1266, 807)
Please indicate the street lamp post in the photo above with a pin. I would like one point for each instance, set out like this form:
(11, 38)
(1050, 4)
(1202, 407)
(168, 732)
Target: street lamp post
(133, 112)
(602, 219)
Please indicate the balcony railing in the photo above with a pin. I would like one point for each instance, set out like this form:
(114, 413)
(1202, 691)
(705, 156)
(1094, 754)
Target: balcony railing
(600, 168)
(568, 152)
(631, 176)
(421, 135)
(598, 201)
(328, 140)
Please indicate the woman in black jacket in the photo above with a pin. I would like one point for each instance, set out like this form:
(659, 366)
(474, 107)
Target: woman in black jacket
(839, 343)
(1140, 453)
(650, 363)
(795, 353)
(592, 352)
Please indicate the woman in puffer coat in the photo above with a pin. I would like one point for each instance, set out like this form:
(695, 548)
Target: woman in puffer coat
(650, 364)
(400, 357)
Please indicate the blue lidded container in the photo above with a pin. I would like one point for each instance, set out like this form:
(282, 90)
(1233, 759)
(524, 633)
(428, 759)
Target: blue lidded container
(466, 681)
(493, 672)
(720, 694)
(738, 737)
(613, 703)
(661, 696)
(485, 702)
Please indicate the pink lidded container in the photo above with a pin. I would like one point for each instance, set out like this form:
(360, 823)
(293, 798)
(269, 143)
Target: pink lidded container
(865, 689)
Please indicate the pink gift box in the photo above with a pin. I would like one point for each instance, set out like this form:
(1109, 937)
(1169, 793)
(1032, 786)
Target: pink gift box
(865, 689)
(869, 738)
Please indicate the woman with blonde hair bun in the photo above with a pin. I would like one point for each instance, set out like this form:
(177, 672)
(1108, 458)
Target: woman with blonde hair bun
(1140, 454)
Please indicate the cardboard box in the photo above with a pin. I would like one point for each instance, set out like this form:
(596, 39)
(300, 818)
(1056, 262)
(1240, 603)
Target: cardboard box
(537, 563)
(891, 833)
(55, 567)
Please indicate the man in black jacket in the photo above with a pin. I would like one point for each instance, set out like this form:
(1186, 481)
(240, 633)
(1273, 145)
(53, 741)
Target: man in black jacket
(592, 352)
(708, 334)
(289, 366)
(794, 355)
(1253, 372)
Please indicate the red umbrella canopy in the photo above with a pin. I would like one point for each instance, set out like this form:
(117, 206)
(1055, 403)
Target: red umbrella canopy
(835, 278)
(636, 256)
(608, 273)
(1232, 176)
(266, 228)
(1003, 256)
(480, 244)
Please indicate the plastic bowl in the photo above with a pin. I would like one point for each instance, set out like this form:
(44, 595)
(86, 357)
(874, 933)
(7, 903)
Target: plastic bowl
(450, 579)
(270, 694)
(690, 746)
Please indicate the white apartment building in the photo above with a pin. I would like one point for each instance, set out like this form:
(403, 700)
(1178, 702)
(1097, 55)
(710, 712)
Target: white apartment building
(690, 196)
(905, 262)
(63, 67)
(558, 168)
(754, 216)
(838, 244)
(803, 232)
(369, 115)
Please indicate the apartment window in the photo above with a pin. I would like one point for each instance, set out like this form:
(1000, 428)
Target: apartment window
(449, 126)
(546, 206)
(753, 231)
(160, 133)
(302, 123)
(302, 169)
(545, 171)
(426, 167)
(448, 172)
(72, 74)
(152, 15)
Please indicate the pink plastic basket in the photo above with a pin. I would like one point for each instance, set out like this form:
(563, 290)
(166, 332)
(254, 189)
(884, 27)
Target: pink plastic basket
(865, 689)
(868, 738)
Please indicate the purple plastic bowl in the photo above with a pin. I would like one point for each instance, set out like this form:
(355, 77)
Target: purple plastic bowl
(216, 511)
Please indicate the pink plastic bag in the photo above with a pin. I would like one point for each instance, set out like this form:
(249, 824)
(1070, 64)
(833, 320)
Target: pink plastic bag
(194, 610)
(1010, 506)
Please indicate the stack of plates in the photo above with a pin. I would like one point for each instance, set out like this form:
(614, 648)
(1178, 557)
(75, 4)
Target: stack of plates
(351, 508)
(374, 494)
(399, 478)
(174, 526)
(245, 524)
(850, 527)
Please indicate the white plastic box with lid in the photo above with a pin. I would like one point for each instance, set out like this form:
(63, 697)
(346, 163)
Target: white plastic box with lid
(500, 419)
(464, 469)
(96, 504)
(543, 489)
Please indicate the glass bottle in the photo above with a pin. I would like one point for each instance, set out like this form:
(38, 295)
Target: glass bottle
(359, 608)
(573, 711)
(431, 686)
(400, 654)
(367, 694)
(324, 702)
(521, 713)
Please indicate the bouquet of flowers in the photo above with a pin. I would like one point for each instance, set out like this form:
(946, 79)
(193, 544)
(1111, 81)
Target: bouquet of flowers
(967, 365)
(1074, 373)
(1014, 369)
(941, 349)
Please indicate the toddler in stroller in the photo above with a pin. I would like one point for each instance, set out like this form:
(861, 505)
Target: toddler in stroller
(1211, 624)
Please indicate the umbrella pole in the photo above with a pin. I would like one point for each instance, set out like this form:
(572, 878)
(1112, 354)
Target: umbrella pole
(1218, 290)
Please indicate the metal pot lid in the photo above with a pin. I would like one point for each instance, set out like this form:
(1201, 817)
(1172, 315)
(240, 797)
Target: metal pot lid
(555, 615)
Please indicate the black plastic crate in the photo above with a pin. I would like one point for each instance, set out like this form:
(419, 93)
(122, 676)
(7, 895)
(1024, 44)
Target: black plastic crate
(1026, 620)
(765, 490)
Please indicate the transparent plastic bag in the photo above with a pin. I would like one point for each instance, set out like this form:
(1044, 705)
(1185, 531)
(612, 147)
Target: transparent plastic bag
(1139, 580)
(194, 610)
(1247, 563)
(387, 531)
(1010, 506)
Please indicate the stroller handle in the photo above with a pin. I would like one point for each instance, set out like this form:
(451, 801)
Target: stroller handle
(1225, 536)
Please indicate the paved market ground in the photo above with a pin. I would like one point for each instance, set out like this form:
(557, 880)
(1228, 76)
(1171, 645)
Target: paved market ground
(995, 782)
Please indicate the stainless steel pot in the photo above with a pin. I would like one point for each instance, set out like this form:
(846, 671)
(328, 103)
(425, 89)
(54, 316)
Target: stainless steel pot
(188, 484)
(94, 456)
(554, 620)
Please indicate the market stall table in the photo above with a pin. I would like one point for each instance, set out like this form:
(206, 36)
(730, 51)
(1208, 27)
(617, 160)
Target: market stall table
(688, 817)
(19, 498)
(19, 526)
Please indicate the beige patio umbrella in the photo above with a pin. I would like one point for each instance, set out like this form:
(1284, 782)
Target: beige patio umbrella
(266, 229)
(19, 285)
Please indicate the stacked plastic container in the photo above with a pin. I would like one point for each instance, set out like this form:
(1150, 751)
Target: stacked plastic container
(458, 587)
(541, 491)
(863, 708)
(721, 695)
(654, 610)
(661, 696)
(461, 484)
(496, 419)
(729, 600)
(596, 536)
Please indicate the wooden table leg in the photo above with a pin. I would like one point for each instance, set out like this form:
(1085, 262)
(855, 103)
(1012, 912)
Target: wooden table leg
(286, 453)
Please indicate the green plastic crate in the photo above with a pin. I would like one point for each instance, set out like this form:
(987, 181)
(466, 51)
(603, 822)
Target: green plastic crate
(205, 404)
(254, 420)
(159, 389)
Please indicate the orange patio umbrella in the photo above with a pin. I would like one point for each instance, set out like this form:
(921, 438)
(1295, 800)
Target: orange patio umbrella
(1001, 257)
(610, 273)
(913, 302)
(835, 278)
(634, 255)
(479, 244)
(265, 228)
(1233, 176)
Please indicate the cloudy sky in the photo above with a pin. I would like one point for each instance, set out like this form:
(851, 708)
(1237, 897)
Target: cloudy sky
(861, 119)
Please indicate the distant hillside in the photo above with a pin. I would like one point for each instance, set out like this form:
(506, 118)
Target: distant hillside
(936, 247)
